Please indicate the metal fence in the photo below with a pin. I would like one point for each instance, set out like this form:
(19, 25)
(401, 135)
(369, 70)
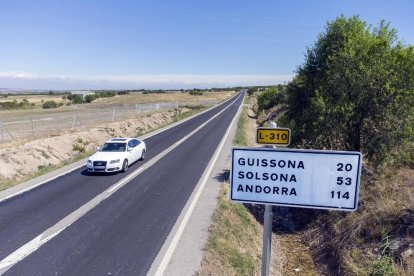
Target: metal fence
(39, 125)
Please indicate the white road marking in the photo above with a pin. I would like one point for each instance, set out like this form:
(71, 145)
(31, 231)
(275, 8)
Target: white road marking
(146, 136)
(116, 186)
(77, 167)
(50, 233)
(171, 248)
(25, 250)
(40, 183)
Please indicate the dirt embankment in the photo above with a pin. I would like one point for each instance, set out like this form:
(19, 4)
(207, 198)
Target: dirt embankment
(23, 158)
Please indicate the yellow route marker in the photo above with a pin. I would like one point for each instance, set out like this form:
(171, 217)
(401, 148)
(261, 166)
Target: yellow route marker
(273, 136)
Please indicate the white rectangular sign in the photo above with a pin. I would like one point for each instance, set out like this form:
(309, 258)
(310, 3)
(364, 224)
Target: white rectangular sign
(296, 178)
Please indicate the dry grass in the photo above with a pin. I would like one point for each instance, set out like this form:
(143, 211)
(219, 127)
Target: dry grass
(235, 242)
(31, 158)
(182, 98)
(377, 239)
(374, 239)
(209, 98)
(36, 99)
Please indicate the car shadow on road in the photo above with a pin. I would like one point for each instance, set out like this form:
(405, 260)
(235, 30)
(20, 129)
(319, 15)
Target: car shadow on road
(85, 172)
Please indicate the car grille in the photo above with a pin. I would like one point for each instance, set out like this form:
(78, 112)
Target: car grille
(99, 163)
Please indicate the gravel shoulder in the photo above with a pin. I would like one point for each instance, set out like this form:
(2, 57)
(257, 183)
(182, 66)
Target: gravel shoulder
(187, 256)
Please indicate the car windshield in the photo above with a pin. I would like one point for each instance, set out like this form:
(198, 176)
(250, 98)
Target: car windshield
(114, 147)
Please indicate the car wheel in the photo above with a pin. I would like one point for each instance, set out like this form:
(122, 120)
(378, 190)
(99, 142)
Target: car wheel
(125, 165)
(142, 155)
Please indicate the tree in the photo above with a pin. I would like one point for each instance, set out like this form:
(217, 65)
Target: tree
(251, 90)
(89, 98)
(272, 96)
(355, 91)
(76, 99)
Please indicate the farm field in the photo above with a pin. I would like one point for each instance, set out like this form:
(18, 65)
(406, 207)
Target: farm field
(36, 98)
(182, 99)
(35, 121)
(44, 150)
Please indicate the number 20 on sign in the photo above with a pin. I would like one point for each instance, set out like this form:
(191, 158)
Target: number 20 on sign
(273, 136)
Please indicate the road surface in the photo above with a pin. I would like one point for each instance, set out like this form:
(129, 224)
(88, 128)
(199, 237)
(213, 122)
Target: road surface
(115, 224)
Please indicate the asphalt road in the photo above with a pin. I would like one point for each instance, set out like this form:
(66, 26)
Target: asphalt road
(123, 234)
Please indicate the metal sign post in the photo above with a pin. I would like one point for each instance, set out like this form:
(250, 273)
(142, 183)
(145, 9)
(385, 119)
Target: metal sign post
(267, 231)
(267, 239)
(316, 179)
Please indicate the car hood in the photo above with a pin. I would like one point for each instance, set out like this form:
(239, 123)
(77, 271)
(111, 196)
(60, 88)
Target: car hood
(107, 156)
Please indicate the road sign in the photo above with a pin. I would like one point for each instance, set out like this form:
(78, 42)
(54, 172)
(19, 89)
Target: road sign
(296, 178)
(274, 136)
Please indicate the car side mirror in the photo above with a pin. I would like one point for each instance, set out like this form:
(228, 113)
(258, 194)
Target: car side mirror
(98, 148)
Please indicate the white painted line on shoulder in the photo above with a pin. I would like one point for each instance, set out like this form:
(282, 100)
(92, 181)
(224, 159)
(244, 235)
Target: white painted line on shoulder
(80, 166)
(126, 179)
(25, 250)
(47, 235)
(171, 248)
(146, 136)
(40, 183)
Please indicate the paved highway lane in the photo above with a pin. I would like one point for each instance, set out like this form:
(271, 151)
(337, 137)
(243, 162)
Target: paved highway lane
(24, 217)
(124, 233)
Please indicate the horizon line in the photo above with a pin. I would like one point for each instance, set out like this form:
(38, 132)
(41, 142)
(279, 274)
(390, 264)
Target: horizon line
(32, 81)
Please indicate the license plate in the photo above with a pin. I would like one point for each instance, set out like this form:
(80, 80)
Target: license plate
(99, 167)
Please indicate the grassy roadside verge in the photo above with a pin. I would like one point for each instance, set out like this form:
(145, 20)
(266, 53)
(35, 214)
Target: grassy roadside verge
(235, 235)
(240, 136)
(81, 153)
(234, 246)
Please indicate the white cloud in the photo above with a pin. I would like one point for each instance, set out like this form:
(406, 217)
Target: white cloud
(147, 81)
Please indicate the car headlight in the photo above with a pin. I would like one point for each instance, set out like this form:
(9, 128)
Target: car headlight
(90, 162)
(114, 161)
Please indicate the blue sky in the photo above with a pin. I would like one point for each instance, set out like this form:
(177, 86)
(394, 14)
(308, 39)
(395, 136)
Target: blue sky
(98, 44)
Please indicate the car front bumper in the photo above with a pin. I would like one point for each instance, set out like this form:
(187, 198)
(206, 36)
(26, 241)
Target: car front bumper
(103, 167)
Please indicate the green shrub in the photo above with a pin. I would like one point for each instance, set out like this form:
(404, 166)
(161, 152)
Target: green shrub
(251, 90)
(49, 104)
(78, 147)
(196, 92)
(16, 105)
(89, 98)
(355, 91)
(270, 97)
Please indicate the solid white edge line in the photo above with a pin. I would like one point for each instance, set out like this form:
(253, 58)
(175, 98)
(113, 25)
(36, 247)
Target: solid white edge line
(61, 225)
(155, 132)
(171, 248)
(41, 183)
(77, 167)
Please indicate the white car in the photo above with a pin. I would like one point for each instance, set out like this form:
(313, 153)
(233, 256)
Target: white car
(116, 155)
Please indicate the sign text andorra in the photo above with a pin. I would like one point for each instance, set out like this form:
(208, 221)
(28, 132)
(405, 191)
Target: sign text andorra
(313, 179)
